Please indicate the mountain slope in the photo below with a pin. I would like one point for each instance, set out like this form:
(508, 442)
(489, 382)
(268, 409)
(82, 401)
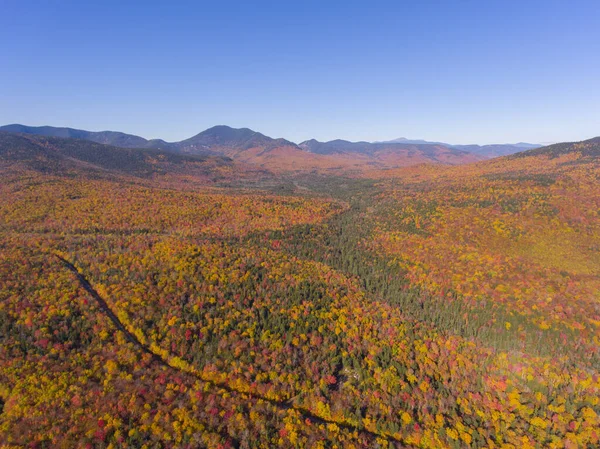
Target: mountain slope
(226, 140)
(392, 154)
(495, 150)
(62, 155)
(586, 148)
(487, 151)
(115, 138)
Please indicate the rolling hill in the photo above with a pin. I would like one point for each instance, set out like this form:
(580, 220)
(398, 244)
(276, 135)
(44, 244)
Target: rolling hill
(57, 155)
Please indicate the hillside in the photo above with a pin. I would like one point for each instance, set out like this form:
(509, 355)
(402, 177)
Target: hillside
(22, 154)
(224, 139)
(484, 151)
(114, 138)
(60, 155)
(431, 306)
(390, 155)
(588, 148)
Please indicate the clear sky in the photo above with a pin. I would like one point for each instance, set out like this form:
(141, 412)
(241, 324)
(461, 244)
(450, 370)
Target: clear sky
(455, 71)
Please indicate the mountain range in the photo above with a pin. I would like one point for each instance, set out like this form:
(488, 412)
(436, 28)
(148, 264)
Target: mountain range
(252, 147)
(203, 159)
(62, 155)
(487, 151)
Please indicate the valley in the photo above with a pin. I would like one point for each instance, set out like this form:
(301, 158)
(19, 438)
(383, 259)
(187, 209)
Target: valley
(161, 298)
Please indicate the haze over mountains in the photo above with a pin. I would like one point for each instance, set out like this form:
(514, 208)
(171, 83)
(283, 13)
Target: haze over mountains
(253, 147)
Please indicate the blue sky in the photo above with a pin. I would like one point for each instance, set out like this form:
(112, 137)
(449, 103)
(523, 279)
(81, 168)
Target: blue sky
(453, 71)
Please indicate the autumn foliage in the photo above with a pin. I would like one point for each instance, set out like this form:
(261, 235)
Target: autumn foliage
(436, 307)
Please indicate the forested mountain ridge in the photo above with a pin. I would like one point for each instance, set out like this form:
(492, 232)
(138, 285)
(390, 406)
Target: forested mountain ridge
(253, 147)
(114, 138)
(485, 151)
(586, 148)
(392, 154)
(225, 137)
(55, 155)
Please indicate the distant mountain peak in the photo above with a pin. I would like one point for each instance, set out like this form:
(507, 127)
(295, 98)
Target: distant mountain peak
(223, 136)
(412, 141)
